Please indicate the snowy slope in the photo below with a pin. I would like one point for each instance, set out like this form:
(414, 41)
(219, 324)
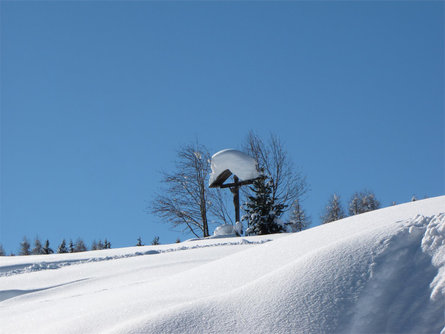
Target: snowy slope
(379, 272)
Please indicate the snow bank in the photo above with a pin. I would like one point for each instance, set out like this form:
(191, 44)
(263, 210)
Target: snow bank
(378, 272)
(239, 163)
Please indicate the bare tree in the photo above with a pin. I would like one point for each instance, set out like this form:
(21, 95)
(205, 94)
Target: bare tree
(288, 184)
(185, 199)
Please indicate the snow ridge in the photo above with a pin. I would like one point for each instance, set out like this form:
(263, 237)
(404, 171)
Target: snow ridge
(44, 265)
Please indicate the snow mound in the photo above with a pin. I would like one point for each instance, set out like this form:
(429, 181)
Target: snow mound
(378, 272)
(239, 163)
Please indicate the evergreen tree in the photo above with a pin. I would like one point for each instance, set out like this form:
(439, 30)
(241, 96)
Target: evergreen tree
(155, 241)
(107, 244)
(354, 205)
(46, 249)
(25, 247)
(71, 246)
(262, 213)
(298, 220)
(100, 245)
(79, 246)
(2, 251)
(362, 202)
(94, 245)
(37, 247)
(62, 247)
(333, 211)
(139, 242)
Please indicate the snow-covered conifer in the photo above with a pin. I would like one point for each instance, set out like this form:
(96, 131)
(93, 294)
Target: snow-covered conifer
(262, 214)
(155, 241)
(298, 220)
(46, 249)
(139, 243)
(333, 211)
(62, 247)
(71, 246)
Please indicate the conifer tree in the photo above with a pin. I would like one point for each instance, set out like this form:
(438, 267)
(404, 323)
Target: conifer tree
(37, 247)
(107, 244)
(62, 247)
(155, 241)
(333, 211)
(298, 220)
(71, 246)
(2, 251)
(46, 249)
(80, 246)
(94, 245)
(139, 243)
(262, 214)
(25, 247)
(100, 245)
(362, 202)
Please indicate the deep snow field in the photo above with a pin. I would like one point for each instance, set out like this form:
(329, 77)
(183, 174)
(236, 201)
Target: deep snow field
(378, 272)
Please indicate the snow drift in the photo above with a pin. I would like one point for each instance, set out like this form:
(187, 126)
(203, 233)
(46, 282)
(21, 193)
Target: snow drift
(378, 272)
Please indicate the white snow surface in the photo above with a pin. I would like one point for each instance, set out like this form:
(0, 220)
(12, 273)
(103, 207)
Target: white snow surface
(378, 272)
(239, 163)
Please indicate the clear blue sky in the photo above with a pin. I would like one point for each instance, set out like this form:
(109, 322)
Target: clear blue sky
(97, 96)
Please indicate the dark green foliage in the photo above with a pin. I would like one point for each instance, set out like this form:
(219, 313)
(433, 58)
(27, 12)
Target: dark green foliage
(62, 247)
(262, 213)
(155, 241)
(71, 246)
(139, 243)
(46, 249)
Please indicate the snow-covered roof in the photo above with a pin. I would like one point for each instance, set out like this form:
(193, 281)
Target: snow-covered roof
(238, 163)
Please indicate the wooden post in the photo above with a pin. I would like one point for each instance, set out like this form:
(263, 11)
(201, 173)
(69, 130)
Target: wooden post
(235, 192)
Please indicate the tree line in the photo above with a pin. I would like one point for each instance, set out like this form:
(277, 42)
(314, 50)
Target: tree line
(38, 248)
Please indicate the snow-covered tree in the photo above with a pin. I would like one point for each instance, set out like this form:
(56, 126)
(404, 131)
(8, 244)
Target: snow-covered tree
(2, 251)
(94, 245)
(62, 247)
(25, 247)
(139, 243)
(71, 246)
(298, 219)
(46, 249)
(262, 213)
(333, 211)
(37, 247)
(155, 241)
(107, 244)
(363, 202)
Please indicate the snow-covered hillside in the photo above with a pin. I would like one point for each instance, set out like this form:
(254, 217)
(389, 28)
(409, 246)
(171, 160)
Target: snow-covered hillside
(378, 272)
